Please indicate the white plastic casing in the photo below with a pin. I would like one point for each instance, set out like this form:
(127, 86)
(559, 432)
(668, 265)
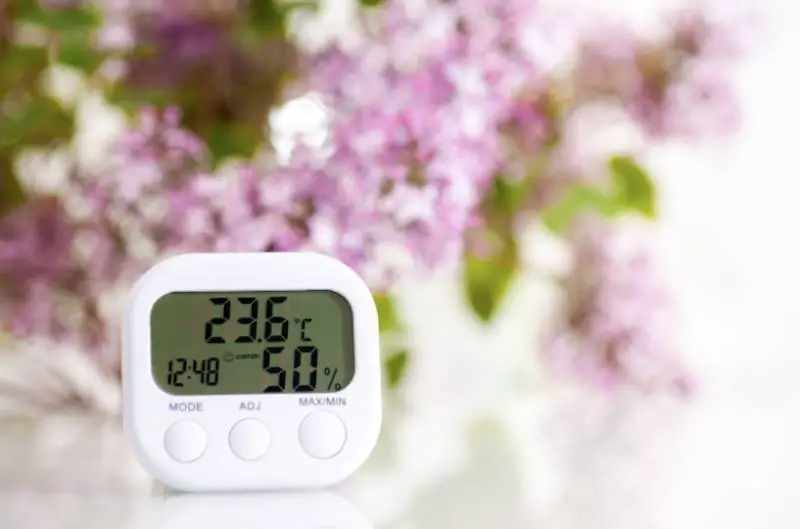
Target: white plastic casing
(149, 412)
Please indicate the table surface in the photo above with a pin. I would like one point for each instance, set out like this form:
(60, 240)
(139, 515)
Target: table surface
(732, 469)
(76, 471)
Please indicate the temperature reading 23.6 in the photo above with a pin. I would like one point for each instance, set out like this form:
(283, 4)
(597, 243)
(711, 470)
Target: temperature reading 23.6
(263, 321)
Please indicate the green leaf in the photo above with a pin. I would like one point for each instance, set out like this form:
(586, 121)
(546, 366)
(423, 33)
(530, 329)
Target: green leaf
(558, 217)
(79, 53)
(395, 363)
(507, 195)
(301, 5)
(265, 17)
(371, 3)
(268, 18)
(234, 140)
(11, 192)
(633, 187)
(68, 19)
(488, 280)
(20, 61)
(632, 190)
(388, 315)
(395, 368)
(132, 99)
(37, 122)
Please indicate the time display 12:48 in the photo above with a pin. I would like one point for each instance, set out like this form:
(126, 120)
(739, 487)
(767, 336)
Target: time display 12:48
(207, 370)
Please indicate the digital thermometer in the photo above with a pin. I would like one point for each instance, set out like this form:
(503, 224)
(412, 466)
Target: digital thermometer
(251, 371)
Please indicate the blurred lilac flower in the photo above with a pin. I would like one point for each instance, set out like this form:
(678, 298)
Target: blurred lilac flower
(175, 45)
(197, 56)
(55, 264)
(35, 242)
(699, 98)
(53, 269)
(159, 152)
(415, 134)
(160, 188)
(152, 161)
(700, 103)
(681, 88)
(425, 109)
(240, 212)
(343, 204)
(617, 329)
(421, 114)
(608, 63)
(35, 253)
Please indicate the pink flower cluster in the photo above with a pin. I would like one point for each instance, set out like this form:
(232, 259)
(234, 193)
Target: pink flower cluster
(420, 113)
(412, 144)
(423, 109)
(415, 140)
(35, 254)
(618, 327)
(679, 87)
(53, 270)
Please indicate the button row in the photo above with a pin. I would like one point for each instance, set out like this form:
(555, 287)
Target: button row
(322, 435)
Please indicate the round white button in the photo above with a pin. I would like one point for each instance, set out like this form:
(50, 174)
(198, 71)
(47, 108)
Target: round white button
(322, 435)
(249, 439)
(185, 441)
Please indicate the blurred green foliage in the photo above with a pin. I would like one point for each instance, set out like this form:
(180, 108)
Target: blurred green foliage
(29, 116)
(396, 358)
(36, 120)
(388, 315)
(633, 187)
(11, 193)
(74, 51)
(632, 191)
(488, 275)
(19, 65)
(508, 196)
(129, 99)
(233, 140)
(270, 17)
(78, 18)
(559, 217)
(489, 278)
(66, 36)
(395, 367)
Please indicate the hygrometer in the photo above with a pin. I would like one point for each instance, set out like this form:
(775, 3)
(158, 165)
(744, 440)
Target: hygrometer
(251, 371)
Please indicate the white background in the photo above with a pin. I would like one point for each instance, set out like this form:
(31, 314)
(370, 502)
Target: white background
(731, 217)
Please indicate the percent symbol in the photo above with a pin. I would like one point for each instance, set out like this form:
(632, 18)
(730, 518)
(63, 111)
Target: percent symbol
(331, 374)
